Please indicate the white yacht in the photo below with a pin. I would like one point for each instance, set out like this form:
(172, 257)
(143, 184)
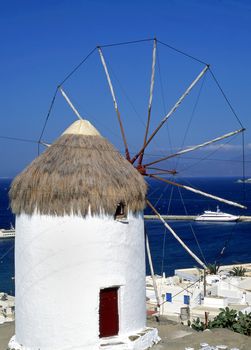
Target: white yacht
(4, 233)
(218, 215)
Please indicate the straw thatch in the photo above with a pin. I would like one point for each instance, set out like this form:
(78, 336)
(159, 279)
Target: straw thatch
(75, 175)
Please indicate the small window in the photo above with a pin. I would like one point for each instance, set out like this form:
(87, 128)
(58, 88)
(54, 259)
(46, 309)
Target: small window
(169, 297)
(120, 213)
(186, 299)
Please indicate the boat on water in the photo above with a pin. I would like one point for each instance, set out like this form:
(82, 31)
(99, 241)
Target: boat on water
(7, 233)
(217, 215)
(246, 181)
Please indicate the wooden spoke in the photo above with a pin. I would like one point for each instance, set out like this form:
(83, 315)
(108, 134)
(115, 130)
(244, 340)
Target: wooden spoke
(176, 236)
(45, 144)
(170, 113)
(148, 251)
(169, 172)
(190, 149)
(70, 103)
(115, 103)
(191, 189)
(150, 99)
(172, 171)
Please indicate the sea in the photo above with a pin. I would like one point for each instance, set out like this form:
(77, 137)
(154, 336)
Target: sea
(221, 243)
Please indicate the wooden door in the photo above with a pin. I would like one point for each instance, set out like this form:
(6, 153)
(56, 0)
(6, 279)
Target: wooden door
(108, 312)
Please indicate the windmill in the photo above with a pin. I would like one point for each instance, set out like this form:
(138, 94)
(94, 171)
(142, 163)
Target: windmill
(151, 169)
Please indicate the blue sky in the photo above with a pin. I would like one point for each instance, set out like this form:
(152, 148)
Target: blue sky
(42, 41)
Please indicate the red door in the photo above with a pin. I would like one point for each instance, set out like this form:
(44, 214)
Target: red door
(108, 312)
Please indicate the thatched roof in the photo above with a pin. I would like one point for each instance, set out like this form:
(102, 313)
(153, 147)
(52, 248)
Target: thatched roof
(81, 171)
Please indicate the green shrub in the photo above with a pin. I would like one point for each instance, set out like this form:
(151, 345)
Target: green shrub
(198, 325)
(225, 319)
(238, 271)
(243, 324)
(238, 322)
(213, 269)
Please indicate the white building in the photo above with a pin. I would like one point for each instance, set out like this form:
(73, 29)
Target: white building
(176, 297)
(182, 296)
(79, 249)
(7, 308)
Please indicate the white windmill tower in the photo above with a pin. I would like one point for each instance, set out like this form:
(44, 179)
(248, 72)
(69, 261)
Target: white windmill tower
(79, 249)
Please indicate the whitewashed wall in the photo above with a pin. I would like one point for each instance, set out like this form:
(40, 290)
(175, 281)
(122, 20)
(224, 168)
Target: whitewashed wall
(61, 263)
(215, 302)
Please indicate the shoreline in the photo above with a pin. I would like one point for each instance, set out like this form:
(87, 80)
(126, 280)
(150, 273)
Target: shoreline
(192, 218)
